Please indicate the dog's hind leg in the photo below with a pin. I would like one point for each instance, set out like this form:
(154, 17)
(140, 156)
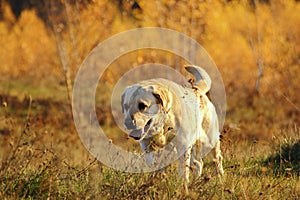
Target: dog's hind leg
(218, 158)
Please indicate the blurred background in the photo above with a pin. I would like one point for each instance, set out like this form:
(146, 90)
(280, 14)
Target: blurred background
(254, 43)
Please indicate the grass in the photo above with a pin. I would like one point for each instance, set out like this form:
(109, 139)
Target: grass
(41, 155)
(43, 89)
(287, 158)
(38, 164)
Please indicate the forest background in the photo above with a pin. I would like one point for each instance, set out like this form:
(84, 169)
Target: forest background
(255, 45)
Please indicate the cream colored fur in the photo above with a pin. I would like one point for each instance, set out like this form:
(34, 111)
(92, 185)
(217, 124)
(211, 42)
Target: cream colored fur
(159, 112)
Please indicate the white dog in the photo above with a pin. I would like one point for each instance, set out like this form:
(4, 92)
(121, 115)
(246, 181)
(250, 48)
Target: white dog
(159, 112)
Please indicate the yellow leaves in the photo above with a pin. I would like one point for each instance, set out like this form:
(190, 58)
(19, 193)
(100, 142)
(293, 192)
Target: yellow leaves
(7, 13)
(234, 33)
(226, 37)
(237, 36)
(26, 45)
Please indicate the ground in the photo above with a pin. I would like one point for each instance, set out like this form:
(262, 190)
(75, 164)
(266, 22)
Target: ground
(41, 154)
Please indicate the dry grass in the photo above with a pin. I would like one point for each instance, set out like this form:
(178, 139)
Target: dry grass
(41, 155)
(39, 163)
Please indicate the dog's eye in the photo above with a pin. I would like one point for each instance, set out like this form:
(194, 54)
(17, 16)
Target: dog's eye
(142, 106)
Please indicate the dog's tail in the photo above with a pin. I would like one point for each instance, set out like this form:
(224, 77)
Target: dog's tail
(202, 80)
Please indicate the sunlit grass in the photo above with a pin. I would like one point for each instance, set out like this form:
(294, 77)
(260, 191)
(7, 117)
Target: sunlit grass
(42, 157)
(44, 89)
(39, 164)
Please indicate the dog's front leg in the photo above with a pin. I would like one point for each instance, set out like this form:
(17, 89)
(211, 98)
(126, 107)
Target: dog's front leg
(196, 160)
(184, 165)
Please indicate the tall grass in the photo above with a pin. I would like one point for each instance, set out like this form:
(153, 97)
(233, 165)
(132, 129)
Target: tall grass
(34, 166)
(41, 156)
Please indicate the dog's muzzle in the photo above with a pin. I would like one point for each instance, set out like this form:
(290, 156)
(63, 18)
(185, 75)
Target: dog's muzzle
(129, 123)
(139, 134)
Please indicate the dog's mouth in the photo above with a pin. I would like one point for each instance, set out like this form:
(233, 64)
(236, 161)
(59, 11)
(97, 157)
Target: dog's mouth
(139, 134)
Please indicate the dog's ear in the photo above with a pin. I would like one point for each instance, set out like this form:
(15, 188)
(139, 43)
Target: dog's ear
(128, 93)
(125, 94)
(159, 99)
(163, 96)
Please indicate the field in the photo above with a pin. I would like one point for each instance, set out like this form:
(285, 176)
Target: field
(255, 45)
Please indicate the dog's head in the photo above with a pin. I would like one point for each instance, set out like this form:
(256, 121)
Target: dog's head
(145, 107)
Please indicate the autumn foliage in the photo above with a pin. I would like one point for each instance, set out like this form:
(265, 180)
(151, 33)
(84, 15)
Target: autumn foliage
(254, 43)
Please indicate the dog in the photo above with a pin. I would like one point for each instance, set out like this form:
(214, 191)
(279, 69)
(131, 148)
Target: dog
(160, 113)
